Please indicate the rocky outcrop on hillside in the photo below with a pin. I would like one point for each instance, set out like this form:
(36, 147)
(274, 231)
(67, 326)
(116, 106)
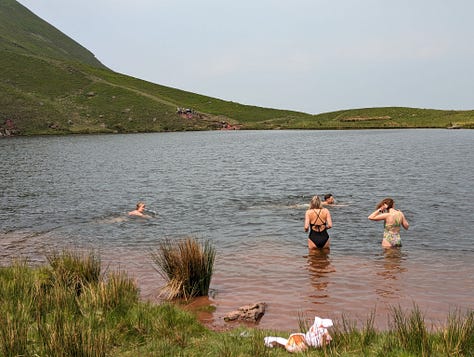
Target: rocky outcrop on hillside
(8, 128)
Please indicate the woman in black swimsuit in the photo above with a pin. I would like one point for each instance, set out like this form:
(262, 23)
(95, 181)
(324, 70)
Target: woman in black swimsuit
(317, 220)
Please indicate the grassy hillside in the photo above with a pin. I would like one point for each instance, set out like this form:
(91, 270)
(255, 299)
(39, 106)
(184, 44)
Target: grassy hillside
(49, 84)
(395, 117)
(21, 31)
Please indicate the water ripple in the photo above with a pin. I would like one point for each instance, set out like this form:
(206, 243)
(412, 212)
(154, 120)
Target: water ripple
(247, 192)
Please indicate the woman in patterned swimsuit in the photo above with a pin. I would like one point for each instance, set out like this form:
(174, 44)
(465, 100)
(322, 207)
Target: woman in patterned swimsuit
(393, 220)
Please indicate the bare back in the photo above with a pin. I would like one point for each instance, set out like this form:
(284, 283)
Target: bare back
(319, 217)
(394, 220)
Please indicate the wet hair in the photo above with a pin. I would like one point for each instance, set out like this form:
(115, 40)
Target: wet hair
(315, 202)
(140, 203)
(387, 201)
(327, 196)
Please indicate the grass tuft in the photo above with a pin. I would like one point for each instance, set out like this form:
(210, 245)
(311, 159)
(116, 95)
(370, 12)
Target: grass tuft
(187, 265)
(72, 270)
(348, 336)
(411, 331)
(17, 299)
(458, 335)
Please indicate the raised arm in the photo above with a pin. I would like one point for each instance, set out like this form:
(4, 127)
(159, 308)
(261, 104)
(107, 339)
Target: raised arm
(378, 215)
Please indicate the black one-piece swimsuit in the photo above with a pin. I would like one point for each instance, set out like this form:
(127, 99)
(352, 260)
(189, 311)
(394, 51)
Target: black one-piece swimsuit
(316, 235)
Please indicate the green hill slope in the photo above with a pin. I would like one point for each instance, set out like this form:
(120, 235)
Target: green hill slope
(49, 84)
(23, 32)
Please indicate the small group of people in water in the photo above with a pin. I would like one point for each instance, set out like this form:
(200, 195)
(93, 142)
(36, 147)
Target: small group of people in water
(318, 220)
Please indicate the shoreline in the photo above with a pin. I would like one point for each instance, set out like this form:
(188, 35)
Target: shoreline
(326, 286)
(241, 128)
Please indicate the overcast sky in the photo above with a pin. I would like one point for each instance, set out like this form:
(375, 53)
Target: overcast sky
(313, 56)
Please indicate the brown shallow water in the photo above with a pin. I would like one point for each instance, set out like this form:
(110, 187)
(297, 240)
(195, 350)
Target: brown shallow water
(325, 284)
(321, 284)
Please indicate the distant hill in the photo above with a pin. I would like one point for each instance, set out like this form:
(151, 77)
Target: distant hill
(50, 84)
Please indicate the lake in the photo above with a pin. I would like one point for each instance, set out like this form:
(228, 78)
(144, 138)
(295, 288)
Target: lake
(247, 191)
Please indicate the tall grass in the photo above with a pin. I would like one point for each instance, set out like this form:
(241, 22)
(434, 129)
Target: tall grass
(14, 328)
(115, 294)
(63, 309)
(187, 266)
(66, 334)
(16, 303)
(72, 270)
(350, 335)
(458, 335)
(410, 329)
(64, 320)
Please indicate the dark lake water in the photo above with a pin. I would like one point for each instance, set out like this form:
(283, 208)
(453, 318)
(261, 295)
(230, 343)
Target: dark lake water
(247, 191)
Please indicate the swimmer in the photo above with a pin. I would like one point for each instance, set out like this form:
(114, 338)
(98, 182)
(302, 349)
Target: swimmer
(328, 199)
(139, 211)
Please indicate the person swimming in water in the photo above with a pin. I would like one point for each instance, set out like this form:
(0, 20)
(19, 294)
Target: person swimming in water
(139, 211)
(328, 199)
(393, 220)
(317, 220)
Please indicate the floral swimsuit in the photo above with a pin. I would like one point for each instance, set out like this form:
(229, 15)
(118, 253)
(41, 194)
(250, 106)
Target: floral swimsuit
(393, 237)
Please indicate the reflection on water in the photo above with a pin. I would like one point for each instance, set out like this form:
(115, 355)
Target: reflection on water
(319, 267)
(392, 263)
(390, 269)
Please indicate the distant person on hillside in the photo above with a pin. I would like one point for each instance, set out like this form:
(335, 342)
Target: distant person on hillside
(139, 211)
(317, 220)
(328, 199)
(393, 220)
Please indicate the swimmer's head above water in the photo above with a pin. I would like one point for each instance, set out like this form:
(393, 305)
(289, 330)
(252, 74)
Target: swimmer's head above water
(138, 211)
(328, 199)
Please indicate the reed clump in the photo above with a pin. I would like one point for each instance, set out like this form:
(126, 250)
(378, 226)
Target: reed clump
(67, 308)
(16, 303)
(186, 265)
(411, 331)
(72, 270)
(458, 335)
(350, 332)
